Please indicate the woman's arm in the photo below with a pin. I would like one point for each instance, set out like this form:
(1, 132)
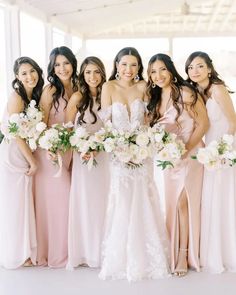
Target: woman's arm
(222, 97)
(71, 109)
(46, 102)
(199, 113)
(16, 105)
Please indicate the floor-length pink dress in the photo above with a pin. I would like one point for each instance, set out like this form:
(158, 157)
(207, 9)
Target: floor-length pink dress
(218, 213)
(185, 178)
(17, 218)
(52, 202)
(88, 199)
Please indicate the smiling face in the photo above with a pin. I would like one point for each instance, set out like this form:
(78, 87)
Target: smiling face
(160, 75)
(63, 68)
(28, 76)
(198, 71)
(92, 76)
(127, 67)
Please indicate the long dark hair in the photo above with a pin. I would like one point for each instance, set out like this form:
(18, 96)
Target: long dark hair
(18, 86)
(177, 82)
(87, 99)
(127, 51)
(213, 77)
(54, 80)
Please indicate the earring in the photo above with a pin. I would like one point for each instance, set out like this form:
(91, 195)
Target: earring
(175, 80)
(136, 78)
(117, 76)
(209, 75)
(153, 85)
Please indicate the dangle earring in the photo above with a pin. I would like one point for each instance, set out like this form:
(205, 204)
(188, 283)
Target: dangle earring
(117, 76)
(136, 78)
(153, 85)
(209, 75)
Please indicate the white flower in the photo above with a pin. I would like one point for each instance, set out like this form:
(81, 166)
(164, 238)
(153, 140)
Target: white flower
(14, 118)
(41, 126)
(32, 144)
(74, 139)
(142, 139)
(228, 139)
(32, 103)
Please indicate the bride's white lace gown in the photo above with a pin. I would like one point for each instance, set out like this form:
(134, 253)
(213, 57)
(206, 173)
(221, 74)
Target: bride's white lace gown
(135, 244)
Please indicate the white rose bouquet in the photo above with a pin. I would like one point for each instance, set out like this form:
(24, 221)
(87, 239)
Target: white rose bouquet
(129, 147)
(167, 147)
(27, 125)
(87, 144)
(57, 138)
(218, 154)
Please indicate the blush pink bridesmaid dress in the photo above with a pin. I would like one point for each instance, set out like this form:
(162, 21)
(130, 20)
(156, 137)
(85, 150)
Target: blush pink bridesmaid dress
(17, 218)
(88, 201)
(185, 178)
(218, 213)
(52, 202)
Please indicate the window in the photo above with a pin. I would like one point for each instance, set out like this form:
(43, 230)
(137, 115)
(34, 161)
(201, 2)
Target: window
(32, 38)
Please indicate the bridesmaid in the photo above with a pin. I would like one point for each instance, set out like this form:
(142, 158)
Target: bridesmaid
(218, 213)
(175, 104)
(51, 193)
(17, 166)
(89, 188)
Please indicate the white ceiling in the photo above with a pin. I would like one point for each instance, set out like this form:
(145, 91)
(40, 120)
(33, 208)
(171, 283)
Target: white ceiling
(139, 18)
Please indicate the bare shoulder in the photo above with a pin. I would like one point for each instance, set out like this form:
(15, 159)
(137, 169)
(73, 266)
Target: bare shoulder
(142, 85)
(109, 86)
(15, 103)
(218, 90)
(75, 98)
(49, 89)
(47, 95)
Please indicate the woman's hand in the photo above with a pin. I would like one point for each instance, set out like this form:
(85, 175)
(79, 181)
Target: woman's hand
(32, 169)
(87, 156)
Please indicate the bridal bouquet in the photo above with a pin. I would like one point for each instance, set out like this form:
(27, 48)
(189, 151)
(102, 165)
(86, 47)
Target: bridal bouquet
(218, 154)
(129, 147)
(167, 147)
(86, 144)
(27, 125)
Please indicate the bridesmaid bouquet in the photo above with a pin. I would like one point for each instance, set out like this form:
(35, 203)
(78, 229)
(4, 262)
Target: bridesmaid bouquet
(217, 154)
(86, 144)
(167, 147)
(56, 139)
(27, 125)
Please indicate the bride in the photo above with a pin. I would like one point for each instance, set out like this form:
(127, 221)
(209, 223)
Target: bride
(135, 243)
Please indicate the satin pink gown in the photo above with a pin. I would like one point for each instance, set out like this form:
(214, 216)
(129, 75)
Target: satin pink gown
(52, 203)
(185, 178)
(88, 201)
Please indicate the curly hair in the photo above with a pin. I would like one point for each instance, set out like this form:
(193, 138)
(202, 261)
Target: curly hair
(177, 82)
(53, 78)
(87, 99)
(19, 87)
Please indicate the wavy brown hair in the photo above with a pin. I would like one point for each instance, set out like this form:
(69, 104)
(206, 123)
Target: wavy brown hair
(87, 99)
(54, 80)
(177, 83)
(214, 76)
(18, 86)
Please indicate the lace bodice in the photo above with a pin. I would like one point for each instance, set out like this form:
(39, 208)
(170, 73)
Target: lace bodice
(124, 119)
